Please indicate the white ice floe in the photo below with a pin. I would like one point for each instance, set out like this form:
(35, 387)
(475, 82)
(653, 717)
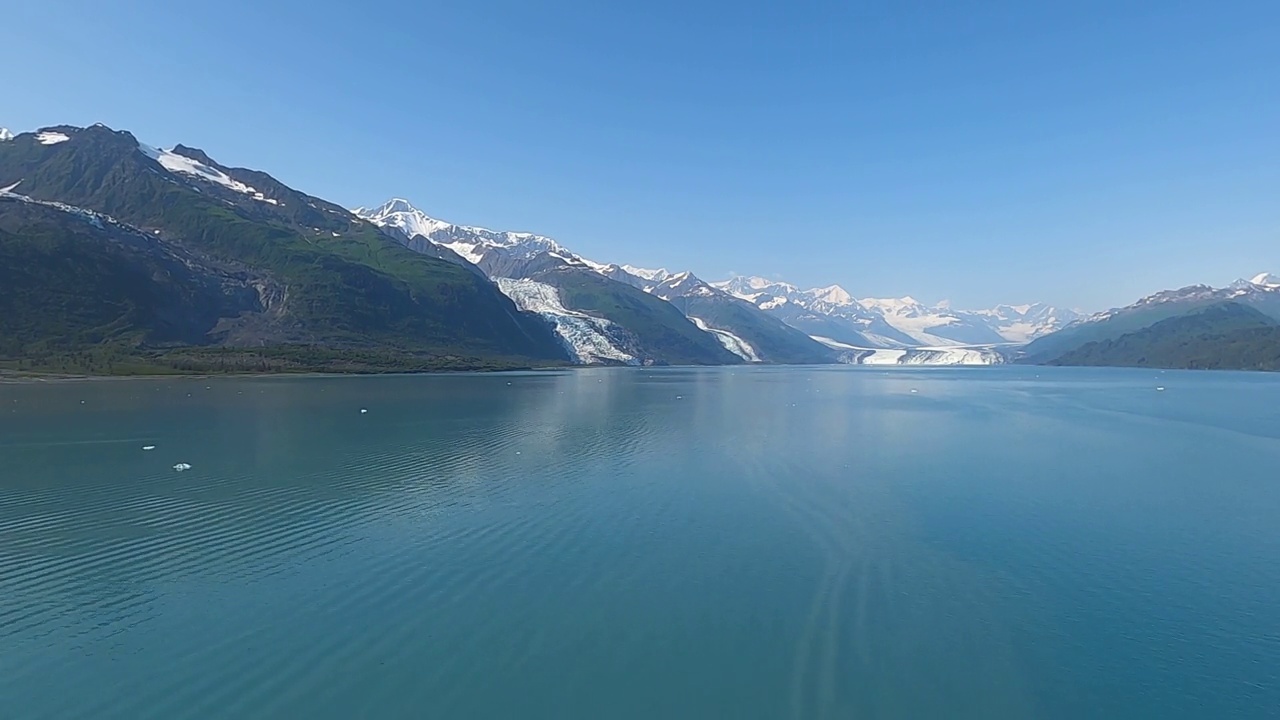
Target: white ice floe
(180, 467)
(148, 447)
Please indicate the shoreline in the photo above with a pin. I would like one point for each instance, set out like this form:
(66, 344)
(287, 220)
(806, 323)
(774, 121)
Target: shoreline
(31, 378)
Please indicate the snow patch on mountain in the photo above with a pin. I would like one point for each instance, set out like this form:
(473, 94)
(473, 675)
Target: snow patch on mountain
(731, 342)
(52, 138)
(5, 135)
(175, 163)
(588, 339)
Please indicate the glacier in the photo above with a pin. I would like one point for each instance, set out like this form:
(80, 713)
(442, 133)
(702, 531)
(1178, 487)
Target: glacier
(731, 342)
(588, 339)
(945, 355)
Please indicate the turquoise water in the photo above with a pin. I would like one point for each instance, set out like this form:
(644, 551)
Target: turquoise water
(631, 543)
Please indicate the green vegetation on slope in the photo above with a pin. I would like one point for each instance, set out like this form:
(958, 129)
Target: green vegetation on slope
(347, 285)
(773, 340)
(67, 282)
(660, 328)
(1226, 336)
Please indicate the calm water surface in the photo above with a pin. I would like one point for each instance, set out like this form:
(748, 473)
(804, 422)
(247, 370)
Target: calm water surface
(680, 543)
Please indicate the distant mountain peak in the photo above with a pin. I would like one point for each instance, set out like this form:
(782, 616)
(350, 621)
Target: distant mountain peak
(394, 205)
(833, 294)
(1268, 280)
(402, 215)
(5, 134)
(658, 275)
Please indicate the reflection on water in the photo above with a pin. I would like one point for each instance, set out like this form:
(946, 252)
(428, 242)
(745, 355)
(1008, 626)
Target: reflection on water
(763, 542)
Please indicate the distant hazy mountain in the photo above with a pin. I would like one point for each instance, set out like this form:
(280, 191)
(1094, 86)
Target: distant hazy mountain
(832, 313)
(1225, 335)
(345, 289)
(1262, 295)
(740, 326)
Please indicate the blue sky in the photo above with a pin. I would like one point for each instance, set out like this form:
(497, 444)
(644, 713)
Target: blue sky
(1081, 153)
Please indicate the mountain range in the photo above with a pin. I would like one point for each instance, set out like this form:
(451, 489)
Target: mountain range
(122, 257)
(1147, 331)
(756, 319)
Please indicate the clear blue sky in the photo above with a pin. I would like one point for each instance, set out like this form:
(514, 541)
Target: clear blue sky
(1081, 153)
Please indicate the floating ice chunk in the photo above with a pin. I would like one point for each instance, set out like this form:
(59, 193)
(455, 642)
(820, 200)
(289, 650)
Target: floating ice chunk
(913, 391)
(363, 411)
(148, 447)
(180, 467)
(1160, 388)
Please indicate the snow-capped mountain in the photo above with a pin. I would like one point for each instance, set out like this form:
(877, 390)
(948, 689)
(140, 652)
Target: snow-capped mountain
(497, 253)
(728, 323)
(1262, 291)
(5, 134)
(1269, 280)
(826, 313)
(653, 276)
(833, 314)
(743, 328)
(754, 318)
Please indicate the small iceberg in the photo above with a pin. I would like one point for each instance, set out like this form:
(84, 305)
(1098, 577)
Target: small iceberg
(148, 447)
(182, 466)
(363, 411)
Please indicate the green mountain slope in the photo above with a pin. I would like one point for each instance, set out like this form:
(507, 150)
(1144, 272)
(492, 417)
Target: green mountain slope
(661, 331)
(771, 339)
(347, 285)
(1225, 336)
(68, 280)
